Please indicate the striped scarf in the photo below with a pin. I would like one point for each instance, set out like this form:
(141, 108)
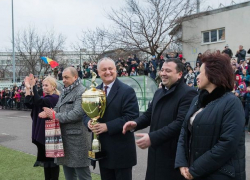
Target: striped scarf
(67, 90)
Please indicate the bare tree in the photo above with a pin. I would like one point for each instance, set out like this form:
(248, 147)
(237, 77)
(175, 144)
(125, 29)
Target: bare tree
(146, 26)
(30, 46)
(94, 42)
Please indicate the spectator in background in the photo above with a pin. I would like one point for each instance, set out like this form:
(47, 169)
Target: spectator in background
(227, 51)
(119, 60)
(39, 89)
(136, 59)
(55, 72)
(119, 70)
(60, 74)
(79, 72)
(124, 72)
(190, 76)
(3, 94)
(198, 64)
(240, 54)
(129, 63)
(11, 94)
(185, 62)
(196, 73)
(172, 55)
(22, 85)
(94, 68)
(126, 67)
(86, 72)
(146, 66)
(198, 59)
(248, 61)
(152, 69)
(7, 98)
(140, 69)
(180, 56)
(133, 72)
(17, 98)
(133, 66)
(161, 61)
(190, 83)
(246, 99)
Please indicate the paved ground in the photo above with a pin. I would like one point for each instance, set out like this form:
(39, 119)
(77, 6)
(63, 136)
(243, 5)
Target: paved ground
(15, 133)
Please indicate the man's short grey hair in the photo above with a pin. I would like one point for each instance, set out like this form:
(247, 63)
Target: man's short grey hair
(72, 70)
(104, 59)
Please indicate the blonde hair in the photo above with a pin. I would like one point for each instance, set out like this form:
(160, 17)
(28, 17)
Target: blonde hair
(52, 82)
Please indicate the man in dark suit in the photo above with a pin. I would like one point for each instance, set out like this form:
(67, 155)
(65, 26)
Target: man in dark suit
(121, 106)
(165, 116)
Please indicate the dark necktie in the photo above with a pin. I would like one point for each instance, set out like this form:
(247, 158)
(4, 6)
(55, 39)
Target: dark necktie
(106, 87)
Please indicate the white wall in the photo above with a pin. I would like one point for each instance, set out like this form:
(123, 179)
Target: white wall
(237, 32)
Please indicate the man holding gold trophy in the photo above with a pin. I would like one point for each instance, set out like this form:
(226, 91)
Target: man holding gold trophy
(105, 115)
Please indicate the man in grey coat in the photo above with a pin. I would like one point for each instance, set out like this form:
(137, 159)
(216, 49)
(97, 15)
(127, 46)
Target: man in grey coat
(75, 136)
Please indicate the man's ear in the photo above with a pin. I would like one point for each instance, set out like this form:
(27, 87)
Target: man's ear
(180, 74)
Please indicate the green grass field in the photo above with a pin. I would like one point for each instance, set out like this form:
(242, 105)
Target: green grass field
(15, 165)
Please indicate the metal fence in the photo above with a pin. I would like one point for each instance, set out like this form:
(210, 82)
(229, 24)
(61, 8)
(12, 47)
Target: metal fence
(144, 87)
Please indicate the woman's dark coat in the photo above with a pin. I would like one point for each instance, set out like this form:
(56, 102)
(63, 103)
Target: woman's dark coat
(36, 103)
(217, 148)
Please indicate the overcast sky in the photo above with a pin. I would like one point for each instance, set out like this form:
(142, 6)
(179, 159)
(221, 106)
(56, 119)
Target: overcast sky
(68, 17)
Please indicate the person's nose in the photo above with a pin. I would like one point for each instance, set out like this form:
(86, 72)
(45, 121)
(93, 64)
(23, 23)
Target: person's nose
(162, 73)
(107, 71)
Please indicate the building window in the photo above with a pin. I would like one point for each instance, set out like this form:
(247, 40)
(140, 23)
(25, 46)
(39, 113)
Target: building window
(206, 37)
(221, 34)
(215, 35)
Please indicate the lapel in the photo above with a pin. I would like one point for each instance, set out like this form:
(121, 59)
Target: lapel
(113, 91)
(68, 96)
(166, 93)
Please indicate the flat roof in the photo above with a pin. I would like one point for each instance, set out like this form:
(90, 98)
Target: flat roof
(215, 11)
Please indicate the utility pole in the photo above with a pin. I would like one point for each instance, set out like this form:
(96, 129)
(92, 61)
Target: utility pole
(198, 6)
(13, 47)
(80, 60)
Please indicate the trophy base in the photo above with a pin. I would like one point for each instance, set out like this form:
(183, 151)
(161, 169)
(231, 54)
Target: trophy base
(96, 156)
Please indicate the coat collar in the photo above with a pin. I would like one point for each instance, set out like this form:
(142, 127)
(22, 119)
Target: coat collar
(66, 98)
(173, 87)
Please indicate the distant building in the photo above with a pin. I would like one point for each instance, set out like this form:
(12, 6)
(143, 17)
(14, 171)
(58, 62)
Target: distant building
(64, 58)
(214, 30)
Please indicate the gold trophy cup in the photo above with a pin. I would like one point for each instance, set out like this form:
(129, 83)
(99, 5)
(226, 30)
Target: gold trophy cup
(94, 104)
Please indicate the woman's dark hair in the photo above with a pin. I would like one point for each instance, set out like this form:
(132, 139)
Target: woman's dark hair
(218, 69)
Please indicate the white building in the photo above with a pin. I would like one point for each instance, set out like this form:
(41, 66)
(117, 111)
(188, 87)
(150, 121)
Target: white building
(215, 29)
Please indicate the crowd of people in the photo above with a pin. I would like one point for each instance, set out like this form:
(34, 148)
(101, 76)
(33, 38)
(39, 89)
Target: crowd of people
(13, 97)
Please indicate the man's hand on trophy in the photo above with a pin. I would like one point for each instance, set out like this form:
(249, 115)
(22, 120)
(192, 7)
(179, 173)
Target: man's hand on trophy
(144, 142)
(100, 128)
(128, 126)
(90, 126)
